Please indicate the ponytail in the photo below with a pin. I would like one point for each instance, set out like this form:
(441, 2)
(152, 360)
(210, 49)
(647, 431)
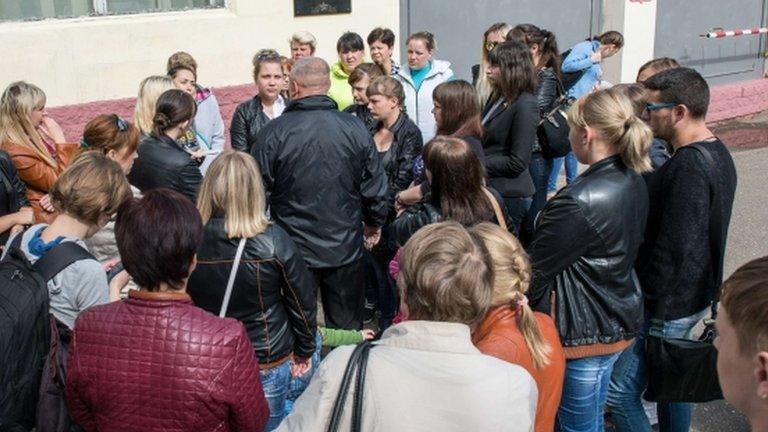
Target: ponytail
(173, 108)
(635, 143)
(550, 53)
(529, 327)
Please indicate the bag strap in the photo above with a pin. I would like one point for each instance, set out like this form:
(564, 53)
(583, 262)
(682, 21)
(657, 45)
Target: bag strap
(232, 276)
(356, 362)
(496, 208)
(59, 258)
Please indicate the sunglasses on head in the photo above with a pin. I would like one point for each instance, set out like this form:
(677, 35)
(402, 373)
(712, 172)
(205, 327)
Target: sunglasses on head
(490, 45)
(122, 125)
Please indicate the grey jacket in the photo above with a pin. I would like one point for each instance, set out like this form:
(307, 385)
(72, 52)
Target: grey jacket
(209, 127)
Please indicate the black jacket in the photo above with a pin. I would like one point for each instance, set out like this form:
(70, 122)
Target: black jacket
(547, 92)
(273, 294)
(247, 121)
(162, 163)
(510, 131)
(583, 251)
(406, 147)
(13, 192)
(364, 114)
(324, 180)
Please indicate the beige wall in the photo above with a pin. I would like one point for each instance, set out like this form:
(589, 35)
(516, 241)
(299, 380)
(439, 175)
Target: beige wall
(100, 58)
(637, 22)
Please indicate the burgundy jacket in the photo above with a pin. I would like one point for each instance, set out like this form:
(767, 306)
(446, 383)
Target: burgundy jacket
(155, 362)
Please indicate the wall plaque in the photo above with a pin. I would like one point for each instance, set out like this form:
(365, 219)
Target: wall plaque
(321, 7)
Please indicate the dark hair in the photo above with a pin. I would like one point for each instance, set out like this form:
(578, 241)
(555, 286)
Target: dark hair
(158, 236)
(658, 64)
(427, 37)
(383, 35)
(611, 37)
(682, 86)
(530, 35)
(457, 181)
(350, 41)
(371, 70)
(460, 109)
(518, 74)
(173, 107)
(110, 132)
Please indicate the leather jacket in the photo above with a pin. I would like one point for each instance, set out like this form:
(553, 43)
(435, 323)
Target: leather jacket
(247, 121)
(273, 294)
(546, 93)
(364, 114)
(17, 193)
(162, 163)
(406, 147)
(583, 253)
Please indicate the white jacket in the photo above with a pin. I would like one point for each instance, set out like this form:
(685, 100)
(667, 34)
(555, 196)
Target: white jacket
(422, 376)
(418, 104)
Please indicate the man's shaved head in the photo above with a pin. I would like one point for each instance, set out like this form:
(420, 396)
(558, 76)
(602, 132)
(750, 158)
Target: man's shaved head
(312, 74)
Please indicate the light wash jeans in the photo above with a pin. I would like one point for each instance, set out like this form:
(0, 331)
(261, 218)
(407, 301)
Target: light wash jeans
(571, 170)
(584, 392)
(630, 380)
(276, 383)
(298, 385)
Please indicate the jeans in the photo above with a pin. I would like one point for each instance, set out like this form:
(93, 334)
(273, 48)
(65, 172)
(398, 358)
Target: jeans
(516, 207)
(298, 385)
(539, 169)
(276, 383)
(584, 392)
(630, 380)
(571, 170)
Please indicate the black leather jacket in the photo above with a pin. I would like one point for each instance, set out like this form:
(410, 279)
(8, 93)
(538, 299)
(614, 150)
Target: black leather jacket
(247, 121)
(324, 180)
(162, 163)
(273, 294)
(364, 114)
(406, 145)
(546, 93)
(583, 251)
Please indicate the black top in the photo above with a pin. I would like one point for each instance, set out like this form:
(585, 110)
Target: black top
(247, 121)
(323, 179)
(399, 159)
(13, 192)
(163, 163)
(546, 92)
(675, 261)
(364, 114)
(510, 131)
(583, 250)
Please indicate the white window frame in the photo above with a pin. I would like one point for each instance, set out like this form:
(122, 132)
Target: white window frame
(100, 6)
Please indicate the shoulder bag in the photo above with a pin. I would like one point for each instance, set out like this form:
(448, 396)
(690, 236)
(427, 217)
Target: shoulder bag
(356, 367)
(232, 276)
(553, 128)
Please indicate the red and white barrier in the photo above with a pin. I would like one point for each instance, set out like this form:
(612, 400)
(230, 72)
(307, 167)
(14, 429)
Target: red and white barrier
(720, 33)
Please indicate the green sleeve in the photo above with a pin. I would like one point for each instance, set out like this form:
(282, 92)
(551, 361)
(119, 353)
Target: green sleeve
(338, 337)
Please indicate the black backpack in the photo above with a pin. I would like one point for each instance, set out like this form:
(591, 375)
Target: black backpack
(569, 79)
(25, 324)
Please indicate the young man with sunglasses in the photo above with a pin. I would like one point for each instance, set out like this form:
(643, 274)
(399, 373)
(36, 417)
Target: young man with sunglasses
(680, 263)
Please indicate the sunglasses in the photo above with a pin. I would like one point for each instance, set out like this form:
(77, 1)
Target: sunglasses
(122, 125)
(657, 106)
(490, 45)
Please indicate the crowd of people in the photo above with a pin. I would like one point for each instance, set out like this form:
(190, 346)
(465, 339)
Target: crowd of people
(193, 287)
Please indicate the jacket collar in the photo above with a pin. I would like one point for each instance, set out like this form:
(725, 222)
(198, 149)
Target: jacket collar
(614, 160)
(497, 104)
(338, 71)
(311, 103)
(395, 129)
(496, 315)
(430, 336)
(435, 67)
(160, 296)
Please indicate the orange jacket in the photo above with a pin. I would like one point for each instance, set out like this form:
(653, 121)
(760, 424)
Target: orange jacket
(38, 175)
(499, 336)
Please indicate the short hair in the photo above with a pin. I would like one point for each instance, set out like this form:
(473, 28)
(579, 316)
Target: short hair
(304, 38)
(111, 132)
(745, 299)
(181, 60)
(460, 109)
(93, 186)
(173, 108)
(311, 72)
(446, 275)
(427, 37)
(388, 87)
(518, 74)
(158, 236)
(370, 70)
(349, 41)
(682, 86)
(232, 187)
(658, 65)
(265, 56)
(383, 35)
(150, 90)
(612, 37)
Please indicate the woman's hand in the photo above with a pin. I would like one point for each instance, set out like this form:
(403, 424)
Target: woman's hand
(367, 334)
(596, 56)
(25, 216)
(198, 154)
(52, 129)
(45, 204)
(300, 366)
(117, 284)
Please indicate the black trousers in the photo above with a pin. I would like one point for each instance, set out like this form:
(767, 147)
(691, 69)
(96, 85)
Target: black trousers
(342, 290)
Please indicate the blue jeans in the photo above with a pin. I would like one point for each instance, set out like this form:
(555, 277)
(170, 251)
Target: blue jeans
(516, 208)
(539, 169)
(298, 385)
(276, 383)
(630, 380)
(584, 392)
(571, 170)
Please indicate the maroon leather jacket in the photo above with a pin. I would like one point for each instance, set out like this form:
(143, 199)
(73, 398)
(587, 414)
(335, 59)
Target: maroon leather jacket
(155, 362)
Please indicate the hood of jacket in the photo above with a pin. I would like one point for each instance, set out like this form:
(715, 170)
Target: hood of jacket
(311, 103)
(201, 93)
(337, 72)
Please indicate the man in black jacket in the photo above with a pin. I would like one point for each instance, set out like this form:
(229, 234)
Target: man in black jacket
(326, 188)
(680, 264)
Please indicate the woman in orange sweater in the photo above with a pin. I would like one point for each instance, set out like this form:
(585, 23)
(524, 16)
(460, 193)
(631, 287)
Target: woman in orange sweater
(34, 141)
(511, 331)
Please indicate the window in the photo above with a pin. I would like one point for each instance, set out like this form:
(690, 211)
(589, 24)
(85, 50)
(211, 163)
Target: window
(14, 10)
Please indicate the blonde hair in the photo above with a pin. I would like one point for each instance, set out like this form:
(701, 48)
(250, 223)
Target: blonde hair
(16, 105)
(511, 280)
(612, 115)
(445, 275)
(233, 186)
(304, 38)
(483, 85)
(92, 186)
(745, 299)
(150, 90)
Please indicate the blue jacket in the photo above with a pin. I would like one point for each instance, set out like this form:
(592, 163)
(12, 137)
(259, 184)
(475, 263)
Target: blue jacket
(578, 60)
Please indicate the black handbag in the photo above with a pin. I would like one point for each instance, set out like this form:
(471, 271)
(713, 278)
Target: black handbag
(681, 370)
(356, 367)
(553, 128)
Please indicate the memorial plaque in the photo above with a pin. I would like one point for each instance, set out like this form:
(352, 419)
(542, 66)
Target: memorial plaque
(321, 7)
